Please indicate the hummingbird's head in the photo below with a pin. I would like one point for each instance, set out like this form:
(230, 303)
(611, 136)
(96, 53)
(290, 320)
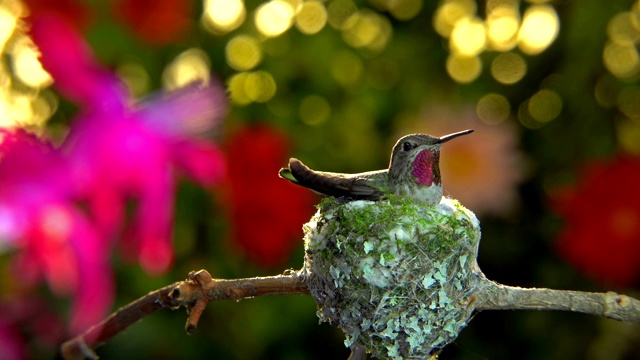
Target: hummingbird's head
(417, 157)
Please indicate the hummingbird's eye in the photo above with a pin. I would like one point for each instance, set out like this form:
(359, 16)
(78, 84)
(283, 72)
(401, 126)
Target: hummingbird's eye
(406, 146)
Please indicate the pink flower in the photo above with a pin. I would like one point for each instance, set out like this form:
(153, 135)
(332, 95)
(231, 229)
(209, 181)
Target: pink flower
(70, 61)
(119, 151)
(58, 242)
(601, 235)
(482, 170)
(135, 157)
(64, 207)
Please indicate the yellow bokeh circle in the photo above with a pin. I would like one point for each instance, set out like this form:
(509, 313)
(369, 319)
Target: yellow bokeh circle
(311, 18)
(243, 52)
(464, 69)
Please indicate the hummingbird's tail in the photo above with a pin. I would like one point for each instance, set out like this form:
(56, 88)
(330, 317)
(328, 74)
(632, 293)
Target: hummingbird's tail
(285, 173)
(330, 184)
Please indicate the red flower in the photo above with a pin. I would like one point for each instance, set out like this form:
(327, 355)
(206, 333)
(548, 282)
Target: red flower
(74, 12)
(156, 22)
(267, 212)
(601, 236)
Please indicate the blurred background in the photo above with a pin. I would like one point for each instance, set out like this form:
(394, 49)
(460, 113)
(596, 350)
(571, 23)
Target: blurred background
(551, 88)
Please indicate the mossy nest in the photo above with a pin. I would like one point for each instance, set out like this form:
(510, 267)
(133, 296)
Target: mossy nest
(397, 277)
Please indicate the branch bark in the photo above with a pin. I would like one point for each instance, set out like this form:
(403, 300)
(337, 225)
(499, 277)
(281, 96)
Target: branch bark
(194, 294)
(493, 296)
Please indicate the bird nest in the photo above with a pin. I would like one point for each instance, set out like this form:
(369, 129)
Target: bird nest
(397, 277)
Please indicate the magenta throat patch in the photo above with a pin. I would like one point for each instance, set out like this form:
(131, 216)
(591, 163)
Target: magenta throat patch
(426, 168)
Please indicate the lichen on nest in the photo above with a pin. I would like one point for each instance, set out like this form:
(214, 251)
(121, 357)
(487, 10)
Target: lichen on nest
(397, 277)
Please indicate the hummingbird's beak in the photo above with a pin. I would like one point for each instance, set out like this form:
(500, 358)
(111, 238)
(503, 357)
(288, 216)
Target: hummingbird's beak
(444, 139)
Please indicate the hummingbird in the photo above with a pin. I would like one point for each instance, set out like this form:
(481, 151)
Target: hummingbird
(414, 172)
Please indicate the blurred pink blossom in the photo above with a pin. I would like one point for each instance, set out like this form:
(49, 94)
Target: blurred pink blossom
(58, 242)
(482, 170)
(120, 151)
(69, 60)
(64, 207)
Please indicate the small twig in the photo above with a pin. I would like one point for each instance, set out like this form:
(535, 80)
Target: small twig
(494, 296)
(80, 346)
(193, 294)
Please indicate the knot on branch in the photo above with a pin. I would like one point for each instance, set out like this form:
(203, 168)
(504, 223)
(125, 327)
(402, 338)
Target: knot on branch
(194, 295)
(621, 307)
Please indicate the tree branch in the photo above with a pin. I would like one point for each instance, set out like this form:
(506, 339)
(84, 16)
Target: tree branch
(493, 296)
(194, 294)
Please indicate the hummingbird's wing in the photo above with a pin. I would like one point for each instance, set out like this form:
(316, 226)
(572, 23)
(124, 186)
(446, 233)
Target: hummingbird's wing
(330, 184)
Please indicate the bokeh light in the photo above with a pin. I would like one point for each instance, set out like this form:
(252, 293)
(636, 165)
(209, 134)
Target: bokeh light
(629, 102)
(274, 17)
(503, 22)
(189, 66)
(620, 55)
(464, 69)
(236, 88)
(545, 105)
(314, 110)
(339, 11)
(502, 30)
(247, 87)
(26, 66)
(540, 27)
(622, 30)
(222, 16)
(243, 52)
(525, 119)
(311, 18)
(621, 60)
(404, 9)
(347, 69)
(493, 108)
(508, 68)
(8, 22)
(13, 110)
(23, 100)
(367, 29)
(628, 132)
(450, 12)
(42, 107)
(135, 76)
(260, 86)
(468, 37)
